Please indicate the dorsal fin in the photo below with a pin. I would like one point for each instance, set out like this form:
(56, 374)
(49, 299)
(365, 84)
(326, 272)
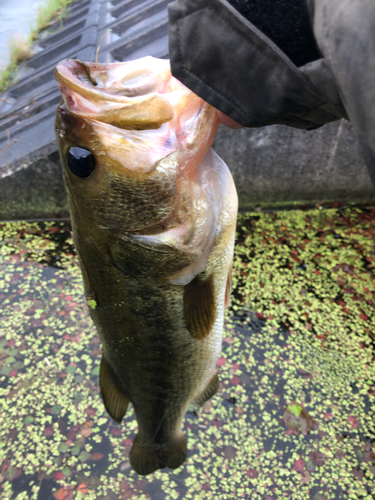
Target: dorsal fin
(200, 306)
(115, 400)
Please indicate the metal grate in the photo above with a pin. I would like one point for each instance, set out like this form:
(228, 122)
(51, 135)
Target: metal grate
(27, 110)
(274, 165)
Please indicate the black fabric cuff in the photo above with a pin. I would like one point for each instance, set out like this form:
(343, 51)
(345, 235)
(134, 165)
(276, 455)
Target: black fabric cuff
(229, 63)
(286, 22)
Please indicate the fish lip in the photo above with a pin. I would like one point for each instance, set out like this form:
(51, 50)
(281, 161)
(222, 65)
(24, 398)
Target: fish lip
(66, 74)
(140, 111)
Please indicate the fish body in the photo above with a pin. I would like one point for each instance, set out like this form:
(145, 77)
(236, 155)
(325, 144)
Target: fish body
(153, 212)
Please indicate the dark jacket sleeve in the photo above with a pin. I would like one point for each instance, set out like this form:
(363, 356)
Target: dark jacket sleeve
(228, 62)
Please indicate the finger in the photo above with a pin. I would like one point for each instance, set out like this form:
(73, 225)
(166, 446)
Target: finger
(228, 122)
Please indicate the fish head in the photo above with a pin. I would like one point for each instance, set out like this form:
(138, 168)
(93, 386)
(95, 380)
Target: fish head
(130, 137)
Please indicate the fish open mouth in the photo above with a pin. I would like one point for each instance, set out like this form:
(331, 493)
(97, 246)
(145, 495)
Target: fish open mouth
(113, 93)
(135, 95)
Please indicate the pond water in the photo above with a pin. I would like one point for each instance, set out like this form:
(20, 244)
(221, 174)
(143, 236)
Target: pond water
(298, 354)
(16, 17)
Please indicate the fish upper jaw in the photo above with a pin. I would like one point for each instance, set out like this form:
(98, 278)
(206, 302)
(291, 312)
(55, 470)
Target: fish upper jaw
(136, 95)
(101, 92)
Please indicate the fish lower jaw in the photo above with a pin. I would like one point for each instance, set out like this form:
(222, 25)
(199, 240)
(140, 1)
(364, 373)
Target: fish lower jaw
(146, 460)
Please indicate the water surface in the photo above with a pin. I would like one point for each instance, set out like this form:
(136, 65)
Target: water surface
(16, 17)
(300, 331)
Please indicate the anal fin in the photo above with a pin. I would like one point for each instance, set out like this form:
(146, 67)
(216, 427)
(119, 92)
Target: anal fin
(199, 306)
(115, 400)
(210, 390)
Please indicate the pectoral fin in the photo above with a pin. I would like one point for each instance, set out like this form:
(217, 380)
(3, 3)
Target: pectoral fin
(199, 306)
(210, 390)
(115, 400)
(91, 299)
(228, 289)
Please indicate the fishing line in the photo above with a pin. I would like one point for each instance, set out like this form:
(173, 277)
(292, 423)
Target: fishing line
(157, 430)
(97, 52)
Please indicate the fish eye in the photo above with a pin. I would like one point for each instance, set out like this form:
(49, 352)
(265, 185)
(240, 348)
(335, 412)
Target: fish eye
(81, 162)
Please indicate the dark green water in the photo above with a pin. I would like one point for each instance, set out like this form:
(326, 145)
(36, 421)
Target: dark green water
(300, 330)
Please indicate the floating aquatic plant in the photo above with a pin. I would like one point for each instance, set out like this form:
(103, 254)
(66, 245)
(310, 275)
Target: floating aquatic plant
(299, 334)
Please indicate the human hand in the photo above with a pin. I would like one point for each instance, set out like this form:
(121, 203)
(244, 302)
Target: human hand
(228, 122)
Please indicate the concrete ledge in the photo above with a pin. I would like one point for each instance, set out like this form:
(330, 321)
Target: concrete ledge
(273, 167)
(279, 166)
(34, 192)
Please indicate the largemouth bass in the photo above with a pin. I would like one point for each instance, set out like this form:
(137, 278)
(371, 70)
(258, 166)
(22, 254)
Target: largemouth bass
(153, 212)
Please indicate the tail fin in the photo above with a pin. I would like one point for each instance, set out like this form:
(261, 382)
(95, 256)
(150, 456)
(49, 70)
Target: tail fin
(147, 460)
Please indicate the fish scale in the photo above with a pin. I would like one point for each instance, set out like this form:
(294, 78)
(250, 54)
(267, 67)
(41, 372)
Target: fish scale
(137, 203)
